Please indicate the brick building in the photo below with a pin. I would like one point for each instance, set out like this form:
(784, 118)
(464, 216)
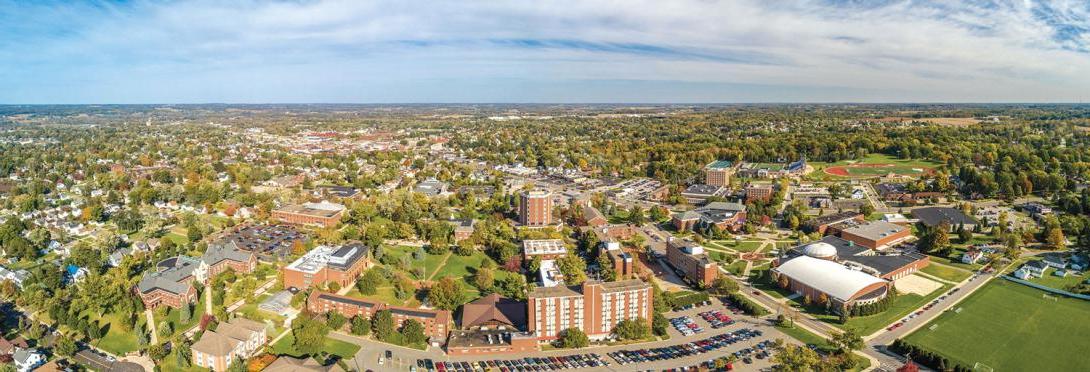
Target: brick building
(873, 234)
(547, 249)
(595, 307)
(689, 258)
(536, 208)
(436, 322)
(717, 173)
(238, 338)
(326, 264)
(324, 214)
(758, 192)
(822, 223)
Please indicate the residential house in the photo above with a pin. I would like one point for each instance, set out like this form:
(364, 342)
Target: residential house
(1031, 269)
(972, 256)
(27, 360)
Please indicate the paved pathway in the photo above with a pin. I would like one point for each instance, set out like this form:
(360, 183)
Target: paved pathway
(150, 315)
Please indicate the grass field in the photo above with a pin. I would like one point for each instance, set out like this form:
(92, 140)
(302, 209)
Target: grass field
(1011, 327)
(336, 347)
(873, 165)
(946, 272)
(743, 246)
(1053, 281)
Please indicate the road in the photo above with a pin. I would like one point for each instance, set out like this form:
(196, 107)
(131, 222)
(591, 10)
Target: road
(367, 357)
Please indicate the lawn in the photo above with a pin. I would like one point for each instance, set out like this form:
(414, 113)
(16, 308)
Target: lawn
(1012, 327)
(1053, 281)
(743, 246)
(340, 348)
(737, 267)
(385, 294)
(178, 239)
(946, 272)
(116, 340)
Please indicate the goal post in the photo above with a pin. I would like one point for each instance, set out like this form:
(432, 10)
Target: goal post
(981, 367)
(1050, 297)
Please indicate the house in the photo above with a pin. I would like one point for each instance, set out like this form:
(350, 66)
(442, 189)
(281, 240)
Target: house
(431, 187)
(1055, 260)
(463, 228)
(74, 274)
(972, 256)
(1031, 269)
(27, 360)
(1060, 273)
(18, 277)
(236, 339)
(114, 259)
(592, 217)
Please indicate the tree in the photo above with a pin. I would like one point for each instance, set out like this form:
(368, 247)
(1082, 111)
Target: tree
(184, 313)
(637, 329)
(360, 326)
(414, 332)
(659, 324)
(484, 279)
(309, 334)
(383, 325)
(847, 341)
(572, 338)
(65, 346)
(185, 353)
(790, 357)
(371, 280)
(335, 320)
(446, 294)
(723, 285)
(237, 365)
(574, 269)
(636, 216)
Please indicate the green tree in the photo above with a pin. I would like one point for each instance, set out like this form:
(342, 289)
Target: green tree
(484, 279)
(65, 346)
(184, 353)
(637, 329)
(309, 334)
(446, 294)
(383, 325)
(659, 324)
(723, 285)
(847, 341)
(370, 281)
(335, 320)
(360, 326)
(572, 338)
(414, 332)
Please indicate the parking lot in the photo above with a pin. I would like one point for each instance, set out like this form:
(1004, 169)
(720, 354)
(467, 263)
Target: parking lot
(603, 356)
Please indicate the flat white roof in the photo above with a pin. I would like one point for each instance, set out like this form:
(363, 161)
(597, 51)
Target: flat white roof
(547, 246)
(827, 276)
(550, 274)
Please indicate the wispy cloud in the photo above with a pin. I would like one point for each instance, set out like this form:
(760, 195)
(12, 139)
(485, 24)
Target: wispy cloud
(384, 51)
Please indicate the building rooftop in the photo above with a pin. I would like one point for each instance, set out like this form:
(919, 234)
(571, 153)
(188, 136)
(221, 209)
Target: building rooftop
(494, 309)
(322, 209)
(545, 246)
(875, 230)
(703, 190)
(933, 216)
(339, 258)
(827, 276)
(623, 285)
(720, 164)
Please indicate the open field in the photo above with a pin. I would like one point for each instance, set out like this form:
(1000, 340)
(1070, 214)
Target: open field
(1053, 281)
(1012, 327)
(946, 272)
(332, 346)
(874, 165)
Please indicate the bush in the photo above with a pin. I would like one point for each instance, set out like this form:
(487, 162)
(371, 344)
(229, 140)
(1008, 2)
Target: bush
(747, 306)
(572, 338)
(926, 357)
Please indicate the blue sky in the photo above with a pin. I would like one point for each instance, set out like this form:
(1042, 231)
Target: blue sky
(381, 51)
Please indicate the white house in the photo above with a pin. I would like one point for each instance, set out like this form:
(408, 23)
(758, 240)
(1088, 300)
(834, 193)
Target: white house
(972, 256)
(27, 360)
(1031, 269)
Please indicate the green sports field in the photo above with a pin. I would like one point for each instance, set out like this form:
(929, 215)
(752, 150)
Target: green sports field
(873, 165)
(1011, 327)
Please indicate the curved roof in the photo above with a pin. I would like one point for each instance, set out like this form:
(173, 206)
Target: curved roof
(827, 276)
(819, 250)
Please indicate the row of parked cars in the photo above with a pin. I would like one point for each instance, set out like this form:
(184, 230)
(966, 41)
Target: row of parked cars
(717, 318)
(686, 325)
(517, 365)
(683, 350)
(920, 312)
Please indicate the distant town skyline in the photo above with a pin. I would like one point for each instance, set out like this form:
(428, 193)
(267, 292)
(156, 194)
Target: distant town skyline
(685, 51)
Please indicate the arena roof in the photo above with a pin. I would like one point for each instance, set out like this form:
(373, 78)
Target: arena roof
(827, 276)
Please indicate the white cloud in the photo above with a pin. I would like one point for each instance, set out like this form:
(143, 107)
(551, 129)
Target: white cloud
(911, 51)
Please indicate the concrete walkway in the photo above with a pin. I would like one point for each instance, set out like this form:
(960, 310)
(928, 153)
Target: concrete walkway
(150, 315)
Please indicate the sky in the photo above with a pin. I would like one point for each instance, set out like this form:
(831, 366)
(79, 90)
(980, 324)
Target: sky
(585, 51)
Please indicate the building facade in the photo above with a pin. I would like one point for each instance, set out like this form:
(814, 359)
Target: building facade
(689, 258)
(325, 264)
(237, 339)
(536, 208)
(718, 173)
(594, 308)
(436, 322)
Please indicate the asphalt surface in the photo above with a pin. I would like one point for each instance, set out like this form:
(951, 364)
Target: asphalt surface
(403, 358)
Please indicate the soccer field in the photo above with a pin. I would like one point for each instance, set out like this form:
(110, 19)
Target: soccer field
(1012, 327)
